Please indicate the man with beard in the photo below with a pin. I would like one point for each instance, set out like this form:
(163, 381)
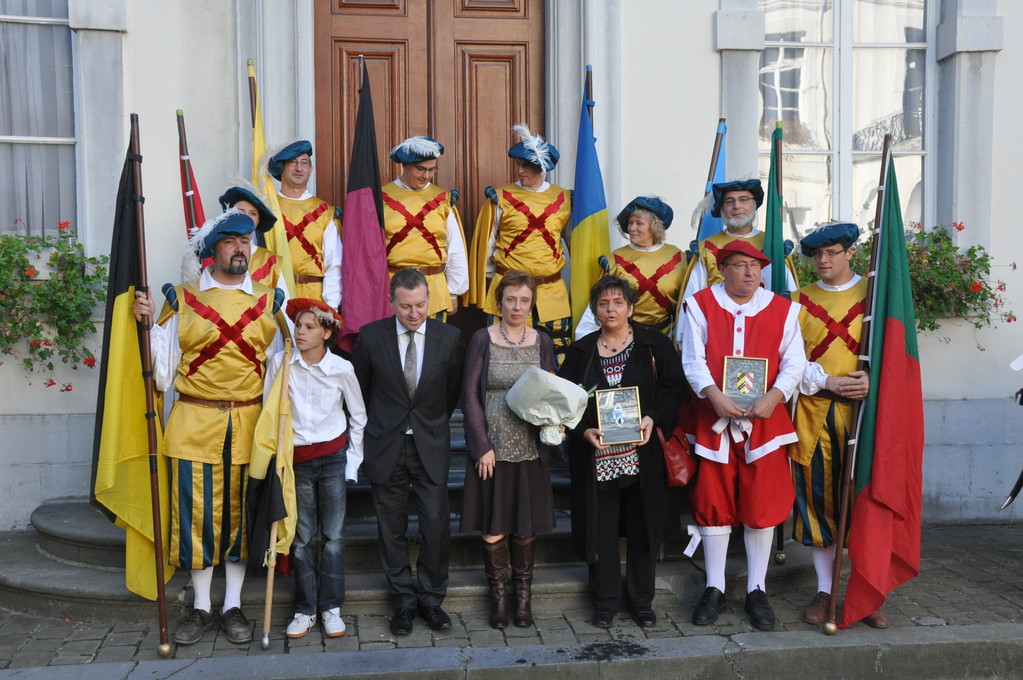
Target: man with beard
(210, 345)
(736, 202)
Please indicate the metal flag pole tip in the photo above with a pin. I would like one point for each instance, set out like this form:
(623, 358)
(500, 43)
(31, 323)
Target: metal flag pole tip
(165, 650)
(248, 62)
(179, 112)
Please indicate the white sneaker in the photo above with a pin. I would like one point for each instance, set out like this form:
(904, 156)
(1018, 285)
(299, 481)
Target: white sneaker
(333, 624)
(300, 625)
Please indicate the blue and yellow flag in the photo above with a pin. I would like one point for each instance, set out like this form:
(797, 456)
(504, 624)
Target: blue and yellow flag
(590, 237)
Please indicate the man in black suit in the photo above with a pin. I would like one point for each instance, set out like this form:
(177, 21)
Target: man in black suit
(410, 370)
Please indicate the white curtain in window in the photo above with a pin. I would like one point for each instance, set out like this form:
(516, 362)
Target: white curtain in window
(37, 180)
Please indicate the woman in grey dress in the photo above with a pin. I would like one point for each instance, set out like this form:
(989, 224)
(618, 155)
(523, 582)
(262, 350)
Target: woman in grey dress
(508, 489)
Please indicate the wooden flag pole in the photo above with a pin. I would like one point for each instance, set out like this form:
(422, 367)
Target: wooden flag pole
(165, 648)
(848, 466)
(187, 174)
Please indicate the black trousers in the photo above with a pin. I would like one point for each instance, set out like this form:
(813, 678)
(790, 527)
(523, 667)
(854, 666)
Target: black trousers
(622, 507)
(431, 500)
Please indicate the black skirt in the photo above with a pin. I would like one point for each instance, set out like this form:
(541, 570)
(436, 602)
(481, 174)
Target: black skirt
(516, 500)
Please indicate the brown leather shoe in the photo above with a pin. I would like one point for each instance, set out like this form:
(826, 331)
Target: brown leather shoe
(236, 626)
(817, 611)
(877, 620)
(197, 623)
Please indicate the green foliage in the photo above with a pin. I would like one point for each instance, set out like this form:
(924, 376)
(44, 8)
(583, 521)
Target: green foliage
(947, 281)
(47, 320)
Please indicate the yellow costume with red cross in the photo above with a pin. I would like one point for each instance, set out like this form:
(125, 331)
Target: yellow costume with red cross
(309, 223)
(831, 322)
(264, 267)
(416, 226)
(212, 346)
(657, 276)
(526, 228)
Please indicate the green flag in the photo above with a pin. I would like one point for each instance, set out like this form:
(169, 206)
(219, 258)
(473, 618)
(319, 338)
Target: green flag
(774, 241)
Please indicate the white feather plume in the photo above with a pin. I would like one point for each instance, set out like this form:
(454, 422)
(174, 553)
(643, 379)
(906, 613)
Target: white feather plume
(702, 207)
(539, 154)
(424, 147)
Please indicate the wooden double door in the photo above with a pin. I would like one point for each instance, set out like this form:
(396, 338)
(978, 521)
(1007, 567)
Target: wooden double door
(460, 71)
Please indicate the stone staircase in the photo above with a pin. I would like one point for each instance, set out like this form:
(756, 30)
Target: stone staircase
(71, 564)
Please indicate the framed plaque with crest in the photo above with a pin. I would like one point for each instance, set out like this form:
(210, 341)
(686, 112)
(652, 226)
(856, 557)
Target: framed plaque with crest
(745, 379)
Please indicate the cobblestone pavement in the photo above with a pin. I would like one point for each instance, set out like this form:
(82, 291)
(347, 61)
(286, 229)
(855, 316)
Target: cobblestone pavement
(969, 575)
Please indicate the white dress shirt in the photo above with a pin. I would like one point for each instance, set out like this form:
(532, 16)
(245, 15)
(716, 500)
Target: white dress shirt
(318, 394)
(420, 338)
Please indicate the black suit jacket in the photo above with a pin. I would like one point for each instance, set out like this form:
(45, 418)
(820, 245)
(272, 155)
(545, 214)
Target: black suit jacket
(390, 409)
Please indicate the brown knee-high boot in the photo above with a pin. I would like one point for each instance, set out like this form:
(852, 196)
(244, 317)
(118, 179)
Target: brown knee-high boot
(495, 563)
(522, 572)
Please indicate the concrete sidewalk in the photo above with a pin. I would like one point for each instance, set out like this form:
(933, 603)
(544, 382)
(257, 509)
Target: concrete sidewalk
(961, 617)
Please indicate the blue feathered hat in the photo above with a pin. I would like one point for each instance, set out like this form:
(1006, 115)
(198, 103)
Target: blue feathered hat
(651, 203)
(534, 149)
(416, 150)
(233, 222)
(267, 219)
(751, 185)
(835, 233)
(275, 166)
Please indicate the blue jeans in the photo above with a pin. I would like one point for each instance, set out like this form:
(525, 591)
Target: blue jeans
(318, 552)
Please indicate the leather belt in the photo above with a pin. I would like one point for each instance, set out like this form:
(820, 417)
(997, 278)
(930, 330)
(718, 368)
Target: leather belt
(828, 394)
(306, 278)
(222, 405)
(540, 280)
(425, 271)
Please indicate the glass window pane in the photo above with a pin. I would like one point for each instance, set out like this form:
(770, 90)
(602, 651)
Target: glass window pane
(799, 20)
(889, 87)
(888, 21)
(36, 89)
(795, 88)
(806, 189)
(909, 171)
(45, 9)
(40, 191)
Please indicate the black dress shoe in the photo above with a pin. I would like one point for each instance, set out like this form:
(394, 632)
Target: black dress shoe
(759, 609)
(401, 621)
(435, 618)
(710, 605)
(644, 618)
(603, 618)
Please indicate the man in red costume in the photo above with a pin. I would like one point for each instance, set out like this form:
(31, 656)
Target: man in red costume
(744, 476)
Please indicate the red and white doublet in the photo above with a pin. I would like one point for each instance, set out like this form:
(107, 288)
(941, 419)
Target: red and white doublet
(744, 477)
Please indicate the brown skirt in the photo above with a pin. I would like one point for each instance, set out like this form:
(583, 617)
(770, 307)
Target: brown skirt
(517, 500)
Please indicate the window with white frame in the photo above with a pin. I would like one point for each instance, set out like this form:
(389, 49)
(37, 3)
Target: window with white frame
(37, 119)
(839, 76)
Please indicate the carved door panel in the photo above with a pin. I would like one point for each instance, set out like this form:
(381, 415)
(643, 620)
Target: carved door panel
(461, 71)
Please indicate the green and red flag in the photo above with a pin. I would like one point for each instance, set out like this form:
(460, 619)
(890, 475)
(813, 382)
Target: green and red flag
(364, 277)
(774, 238)
(121, 460)
(884, 538)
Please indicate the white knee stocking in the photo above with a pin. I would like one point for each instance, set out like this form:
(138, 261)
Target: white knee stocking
(201, 581)
(758, 552)
(715, 553)
(823, 564)
(234, 573)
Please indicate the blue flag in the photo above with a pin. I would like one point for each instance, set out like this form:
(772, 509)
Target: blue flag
(710, 225)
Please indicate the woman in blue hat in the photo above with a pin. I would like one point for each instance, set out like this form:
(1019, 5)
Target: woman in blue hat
(652, 266)
(520, 229)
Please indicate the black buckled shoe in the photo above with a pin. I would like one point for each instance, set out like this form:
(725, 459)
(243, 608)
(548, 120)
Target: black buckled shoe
(710, 605)
(401, 621)
(759, 609)
(435, 618)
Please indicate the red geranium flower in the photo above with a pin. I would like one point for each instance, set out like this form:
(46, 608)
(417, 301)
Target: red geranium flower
(64, 225)
(31, 272)
(976, 287)
(50, 383)
(958, 226)
(66, 388)
(35, 343)
(89, 361)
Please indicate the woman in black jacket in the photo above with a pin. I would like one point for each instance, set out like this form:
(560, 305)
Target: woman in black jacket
(621, 490)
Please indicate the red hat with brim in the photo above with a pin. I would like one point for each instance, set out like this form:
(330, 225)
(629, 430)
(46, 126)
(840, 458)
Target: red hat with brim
(741, 247)
(298, 305)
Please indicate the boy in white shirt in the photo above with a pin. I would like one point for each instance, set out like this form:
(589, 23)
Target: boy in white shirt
(327, 452)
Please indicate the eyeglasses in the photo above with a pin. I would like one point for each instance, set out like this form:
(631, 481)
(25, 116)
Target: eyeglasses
(828, 254)
(300, 162)
(741, 200)
(748, 266)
